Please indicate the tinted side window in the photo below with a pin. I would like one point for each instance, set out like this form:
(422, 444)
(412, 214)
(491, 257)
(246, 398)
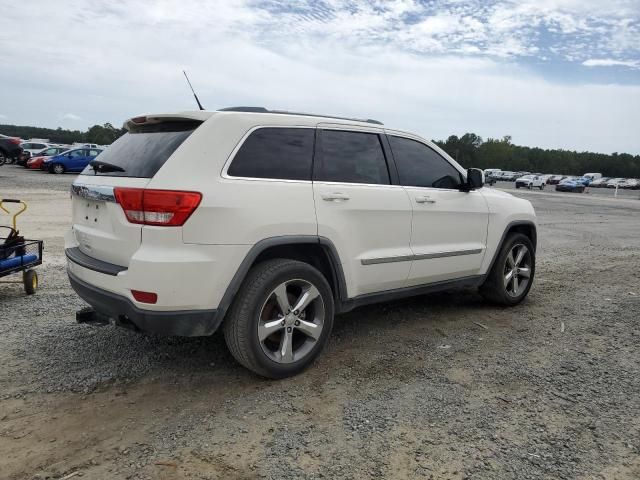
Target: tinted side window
(351, 157)
(420, 166)
(283, 153)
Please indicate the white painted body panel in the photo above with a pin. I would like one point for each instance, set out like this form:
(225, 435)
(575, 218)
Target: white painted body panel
(451, 222)
(190, 267)
(374, 223)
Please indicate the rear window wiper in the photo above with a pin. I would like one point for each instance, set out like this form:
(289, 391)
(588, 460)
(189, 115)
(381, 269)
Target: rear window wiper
(104, 167)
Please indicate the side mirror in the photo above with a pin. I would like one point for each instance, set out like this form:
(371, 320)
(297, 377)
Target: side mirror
(475, 178)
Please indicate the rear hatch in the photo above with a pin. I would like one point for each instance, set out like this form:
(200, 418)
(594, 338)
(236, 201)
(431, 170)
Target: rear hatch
(100, 226)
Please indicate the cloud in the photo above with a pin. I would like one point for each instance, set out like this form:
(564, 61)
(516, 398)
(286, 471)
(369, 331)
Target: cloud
(610, 62)
(3, 117)
(70, 116)
(437, 68)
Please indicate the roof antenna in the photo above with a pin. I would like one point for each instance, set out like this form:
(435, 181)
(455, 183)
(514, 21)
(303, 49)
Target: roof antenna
(194, 93)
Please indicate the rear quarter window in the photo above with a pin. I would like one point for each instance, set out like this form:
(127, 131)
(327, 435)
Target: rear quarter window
(278, 153)
(144, 149)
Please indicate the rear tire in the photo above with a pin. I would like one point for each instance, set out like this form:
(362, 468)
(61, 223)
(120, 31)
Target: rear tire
(511, 277)
(263, 331)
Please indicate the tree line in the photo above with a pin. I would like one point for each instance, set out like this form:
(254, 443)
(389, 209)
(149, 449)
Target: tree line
(471, 151)
(100, 134)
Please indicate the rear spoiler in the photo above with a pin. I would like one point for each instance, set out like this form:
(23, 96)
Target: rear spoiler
(196, 116)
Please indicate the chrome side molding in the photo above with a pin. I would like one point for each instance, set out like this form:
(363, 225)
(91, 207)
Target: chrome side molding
(424, 256)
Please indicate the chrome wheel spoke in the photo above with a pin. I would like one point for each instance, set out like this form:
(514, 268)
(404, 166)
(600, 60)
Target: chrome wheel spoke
(309, 329)
(508, 277)
(286, 346)
(287, 330)
(308, 296)
(517, 269)
(267, 329)
(282, 298)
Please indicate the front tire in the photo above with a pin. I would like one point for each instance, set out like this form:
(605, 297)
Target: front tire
(57, 168)
(511, 276)
(280, 319)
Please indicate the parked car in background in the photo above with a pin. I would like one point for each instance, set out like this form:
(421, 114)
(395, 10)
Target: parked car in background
(10, 149)
(508, 176)
(71, 161)
(30, 148)
(593, 176)
(545, 178)
(586, 181)
(599, 182)
(46, 152)
(630, 183)
(38, 159)
(530, 181)
(614, 182)
(34, 147)
(570, 185)
(555, 179)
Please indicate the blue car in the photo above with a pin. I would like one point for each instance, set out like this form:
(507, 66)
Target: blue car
(586, 181)
(74, 160)
(571, 185)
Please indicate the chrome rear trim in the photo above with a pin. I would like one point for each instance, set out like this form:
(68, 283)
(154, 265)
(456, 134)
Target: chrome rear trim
(102, 193)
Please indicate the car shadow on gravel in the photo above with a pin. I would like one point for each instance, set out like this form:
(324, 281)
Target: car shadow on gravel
(81, 358)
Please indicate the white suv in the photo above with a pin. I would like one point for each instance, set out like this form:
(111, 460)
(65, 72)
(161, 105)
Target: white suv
(269, 223)
(530, 181)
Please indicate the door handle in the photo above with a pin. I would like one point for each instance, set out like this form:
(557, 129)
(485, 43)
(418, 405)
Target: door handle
(424, 199)
(331, 197)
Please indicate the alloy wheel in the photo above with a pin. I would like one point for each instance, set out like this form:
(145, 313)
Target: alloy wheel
(517, 270)
(291, 321)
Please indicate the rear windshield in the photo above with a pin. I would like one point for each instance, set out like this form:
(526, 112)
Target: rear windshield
(143, 150)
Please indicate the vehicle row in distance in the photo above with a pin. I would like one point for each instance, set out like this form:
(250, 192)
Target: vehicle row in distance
(563, 183)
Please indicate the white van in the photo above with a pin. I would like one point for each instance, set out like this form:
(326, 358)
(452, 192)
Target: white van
(592, 176)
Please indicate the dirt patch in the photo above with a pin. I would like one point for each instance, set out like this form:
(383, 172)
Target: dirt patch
(412, 389)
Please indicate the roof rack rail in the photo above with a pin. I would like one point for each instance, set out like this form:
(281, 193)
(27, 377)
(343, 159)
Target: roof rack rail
(285, 112)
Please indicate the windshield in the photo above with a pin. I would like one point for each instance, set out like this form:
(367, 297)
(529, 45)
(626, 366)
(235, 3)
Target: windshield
(144, 150)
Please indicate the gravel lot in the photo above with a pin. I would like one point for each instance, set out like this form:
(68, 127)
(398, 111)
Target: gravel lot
(411, 389)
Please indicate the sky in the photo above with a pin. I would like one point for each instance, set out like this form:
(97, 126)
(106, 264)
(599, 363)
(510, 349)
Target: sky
(550, 73)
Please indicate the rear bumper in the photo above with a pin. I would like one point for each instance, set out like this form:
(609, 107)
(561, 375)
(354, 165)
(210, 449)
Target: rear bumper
(120, 310)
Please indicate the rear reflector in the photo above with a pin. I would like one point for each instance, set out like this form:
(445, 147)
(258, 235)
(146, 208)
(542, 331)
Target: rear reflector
(169, 208)
(144, 297)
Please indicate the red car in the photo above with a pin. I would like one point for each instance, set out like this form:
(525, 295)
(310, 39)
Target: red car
(35, 162)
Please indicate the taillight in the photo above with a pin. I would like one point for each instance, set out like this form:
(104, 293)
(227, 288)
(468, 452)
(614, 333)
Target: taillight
(169, 208)
(15, 141)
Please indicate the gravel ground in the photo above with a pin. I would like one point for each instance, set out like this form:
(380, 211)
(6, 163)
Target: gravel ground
(411, 389)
